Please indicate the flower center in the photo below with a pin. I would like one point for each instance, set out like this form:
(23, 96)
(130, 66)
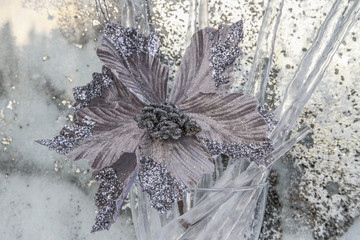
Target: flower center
(166, 120)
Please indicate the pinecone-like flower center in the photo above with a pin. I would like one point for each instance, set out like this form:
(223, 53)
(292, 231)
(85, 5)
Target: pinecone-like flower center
(165, 120)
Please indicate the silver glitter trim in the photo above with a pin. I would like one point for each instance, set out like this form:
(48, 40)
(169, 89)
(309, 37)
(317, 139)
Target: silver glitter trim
(69, 137)
(130, 40)
(255, 152)
(105, 198)
(269, 118)
(84, 94)
(224, 53)
(162, 188)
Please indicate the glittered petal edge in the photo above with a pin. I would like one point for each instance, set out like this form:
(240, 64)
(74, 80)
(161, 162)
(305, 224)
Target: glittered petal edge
(255, 152)
(70, 137)
(84, 94)
(207, 64)
(115, 183)
(269, 118)
(162, 189)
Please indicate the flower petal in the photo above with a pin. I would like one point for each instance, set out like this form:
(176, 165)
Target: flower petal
(230, 118)
(135, 59)
(104, 123)
(105, 88)
(115, 183)
(110, 115)
(115, 108)
(115, 130)
(112, 107)
(208, 62)
(186, 160)
(104, 149)
(126, 169)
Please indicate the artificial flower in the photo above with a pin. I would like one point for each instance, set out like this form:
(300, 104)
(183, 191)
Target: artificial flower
(129, 125)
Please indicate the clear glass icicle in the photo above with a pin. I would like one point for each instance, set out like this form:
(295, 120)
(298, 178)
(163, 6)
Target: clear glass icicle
(312, 67)
(261, 65)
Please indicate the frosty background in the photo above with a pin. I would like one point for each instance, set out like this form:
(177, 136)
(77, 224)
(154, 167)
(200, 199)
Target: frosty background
(48, 47)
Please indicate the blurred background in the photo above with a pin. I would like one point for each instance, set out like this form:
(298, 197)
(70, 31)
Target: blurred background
(47, 47)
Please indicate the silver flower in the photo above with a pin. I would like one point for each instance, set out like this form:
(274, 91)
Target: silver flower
(167, 140)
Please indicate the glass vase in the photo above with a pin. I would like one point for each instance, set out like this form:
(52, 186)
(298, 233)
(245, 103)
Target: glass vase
(228, 204)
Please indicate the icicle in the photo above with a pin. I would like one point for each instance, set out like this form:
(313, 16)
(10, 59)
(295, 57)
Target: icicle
(103, 10)
(128, 14)
(191, 28)
(261, 65)
(312, 67)
(203, 14)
